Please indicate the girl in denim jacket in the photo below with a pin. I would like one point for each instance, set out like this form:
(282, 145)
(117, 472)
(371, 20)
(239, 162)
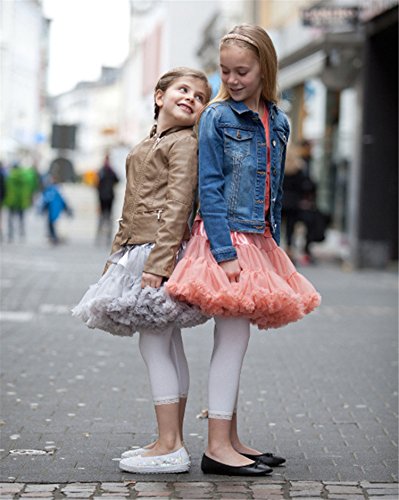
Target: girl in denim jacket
(233, 268)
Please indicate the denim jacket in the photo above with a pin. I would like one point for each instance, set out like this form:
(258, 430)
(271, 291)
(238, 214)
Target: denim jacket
(232, 172)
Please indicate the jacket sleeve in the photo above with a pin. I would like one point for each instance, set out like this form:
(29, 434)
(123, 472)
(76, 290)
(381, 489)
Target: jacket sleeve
(279, 199)
(182, 182)
(213, 206)
(117, 241)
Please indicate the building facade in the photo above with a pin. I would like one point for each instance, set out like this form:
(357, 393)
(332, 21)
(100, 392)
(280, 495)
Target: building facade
(339, 80)
(24, 60)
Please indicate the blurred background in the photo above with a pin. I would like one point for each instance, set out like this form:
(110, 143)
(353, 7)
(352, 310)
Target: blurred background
(77, 81)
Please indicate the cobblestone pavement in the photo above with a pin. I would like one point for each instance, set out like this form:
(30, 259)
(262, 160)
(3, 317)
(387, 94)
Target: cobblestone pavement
(260, 489)
(322, 392)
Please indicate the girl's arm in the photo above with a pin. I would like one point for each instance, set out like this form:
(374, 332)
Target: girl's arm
(182, 182)
(211, 187)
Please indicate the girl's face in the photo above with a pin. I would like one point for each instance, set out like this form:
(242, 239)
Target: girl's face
(180, 104)
(240, 73)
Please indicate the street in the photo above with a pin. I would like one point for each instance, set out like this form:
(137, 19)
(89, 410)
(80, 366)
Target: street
(321, 392)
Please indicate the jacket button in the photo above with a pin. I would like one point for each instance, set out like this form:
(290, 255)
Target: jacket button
(274, 171)
(261, 172)
(259, 201)
(274, 143)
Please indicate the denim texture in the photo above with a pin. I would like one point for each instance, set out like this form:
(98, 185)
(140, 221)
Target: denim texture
(232, 172)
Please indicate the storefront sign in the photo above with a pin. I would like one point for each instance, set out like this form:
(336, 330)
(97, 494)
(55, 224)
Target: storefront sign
(330, 17)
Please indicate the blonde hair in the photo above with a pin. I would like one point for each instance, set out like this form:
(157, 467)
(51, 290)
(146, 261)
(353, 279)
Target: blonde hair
(169, 77)
(255, 39)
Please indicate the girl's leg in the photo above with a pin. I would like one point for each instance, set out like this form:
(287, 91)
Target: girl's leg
(230, 344)
(156, 351)
(180, 361)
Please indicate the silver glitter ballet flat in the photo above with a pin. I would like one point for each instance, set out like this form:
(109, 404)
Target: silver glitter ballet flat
(172, 463)
(134, 453)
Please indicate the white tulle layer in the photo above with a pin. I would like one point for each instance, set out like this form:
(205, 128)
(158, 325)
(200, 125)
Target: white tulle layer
(117, 304)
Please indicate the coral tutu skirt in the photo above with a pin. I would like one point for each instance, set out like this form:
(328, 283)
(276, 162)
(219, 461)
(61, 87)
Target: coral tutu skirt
(270, 291)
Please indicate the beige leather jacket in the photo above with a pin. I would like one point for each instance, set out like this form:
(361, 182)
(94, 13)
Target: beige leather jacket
(161, 181)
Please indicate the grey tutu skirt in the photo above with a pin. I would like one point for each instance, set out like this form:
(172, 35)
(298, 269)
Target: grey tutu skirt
(117, 304)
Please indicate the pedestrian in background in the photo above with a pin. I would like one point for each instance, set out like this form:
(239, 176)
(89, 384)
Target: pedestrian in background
(233, 268)
(18, 199)
(292, 195)
(161, 173)
(2, 196)
(106, 181)
(53, 204)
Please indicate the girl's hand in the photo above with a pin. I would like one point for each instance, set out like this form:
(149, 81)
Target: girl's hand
(153, 280)
(232, 269)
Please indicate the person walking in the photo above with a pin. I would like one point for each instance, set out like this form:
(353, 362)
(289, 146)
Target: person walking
(18, 198)
(233, 268)
(106, 181)
(53, 204)
(161, 183)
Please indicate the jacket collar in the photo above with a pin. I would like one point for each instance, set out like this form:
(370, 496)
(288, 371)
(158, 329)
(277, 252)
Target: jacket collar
(168, 131)
(240, 108)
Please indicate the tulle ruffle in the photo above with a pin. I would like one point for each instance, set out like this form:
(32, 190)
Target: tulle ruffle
(117, 303)
(270, 291)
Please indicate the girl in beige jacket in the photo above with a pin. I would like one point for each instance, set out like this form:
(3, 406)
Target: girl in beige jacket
(161, 181)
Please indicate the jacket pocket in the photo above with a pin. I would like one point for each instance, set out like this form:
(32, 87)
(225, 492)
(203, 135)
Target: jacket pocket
(237, 142)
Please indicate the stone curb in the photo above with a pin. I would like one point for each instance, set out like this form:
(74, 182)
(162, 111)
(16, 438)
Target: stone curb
(228, 489)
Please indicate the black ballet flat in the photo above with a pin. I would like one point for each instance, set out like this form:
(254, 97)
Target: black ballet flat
(266, 458)
(210, 466)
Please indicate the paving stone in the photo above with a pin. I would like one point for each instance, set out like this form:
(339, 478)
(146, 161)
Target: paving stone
(305, 493)
(340, 483)
(78, 494)
(111, 497)
(193, 484)
(40, 487)
(151, 494)
(152, 486)
(37, 494)
(299, 485)
(233, 496)
(263, 495)
(388, 497)
(234, 488)
(10, 488)
(194, 493)
(367, 484)
(347, 490)
(345, 497)
(380, 491)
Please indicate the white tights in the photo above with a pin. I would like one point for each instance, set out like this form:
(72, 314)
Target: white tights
(231, 337)
(163, 353)
(167, 367)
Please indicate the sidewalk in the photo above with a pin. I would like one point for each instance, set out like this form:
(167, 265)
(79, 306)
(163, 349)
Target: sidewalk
(322, 392)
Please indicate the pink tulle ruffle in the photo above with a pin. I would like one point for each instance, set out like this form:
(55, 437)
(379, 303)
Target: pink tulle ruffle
(270, 291)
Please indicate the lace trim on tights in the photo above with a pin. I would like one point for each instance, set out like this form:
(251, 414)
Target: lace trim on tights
(220, 415)
(166, 401)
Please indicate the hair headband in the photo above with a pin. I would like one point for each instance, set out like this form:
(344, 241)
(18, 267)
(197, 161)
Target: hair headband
(237, 36)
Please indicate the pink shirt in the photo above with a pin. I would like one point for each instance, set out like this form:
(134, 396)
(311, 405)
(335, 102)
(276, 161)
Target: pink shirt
(265, 121)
